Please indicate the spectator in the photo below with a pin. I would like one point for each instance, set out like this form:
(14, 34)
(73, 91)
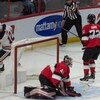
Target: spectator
(28, 8)
(96, 2)
(42, 5)
(85, 3)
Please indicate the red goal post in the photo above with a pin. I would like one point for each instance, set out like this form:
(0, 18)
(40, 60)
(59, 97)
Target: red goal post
(29, 44)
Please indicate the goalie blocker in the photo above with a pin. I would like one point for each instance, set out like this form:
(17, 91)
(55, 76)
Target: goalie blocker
(46, 92)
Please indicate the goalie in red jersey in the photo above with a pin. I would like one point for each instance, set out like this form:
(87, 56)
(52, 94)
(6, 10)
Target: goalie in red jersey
(55, 80)
(91, 40)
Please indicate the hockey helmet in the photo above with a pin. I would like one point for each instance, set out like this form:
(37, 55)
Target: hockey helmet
(68, 60)
(91, 18)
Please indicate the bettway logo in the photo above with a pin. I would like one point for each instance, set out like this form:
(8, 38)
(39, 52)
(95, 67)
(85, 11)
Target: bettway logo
(49, 26)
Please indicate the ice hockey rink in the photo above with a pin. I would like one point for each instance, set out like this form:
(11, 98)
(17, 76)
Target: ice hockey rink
(74, 50)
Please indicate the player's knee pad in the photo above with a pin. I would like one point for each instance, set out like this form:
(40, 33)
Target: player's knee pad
(27, 91)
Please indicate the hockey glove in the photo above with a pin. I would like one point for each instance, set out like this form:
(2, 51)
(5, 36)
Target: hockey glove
(61, 89)
(70, 91)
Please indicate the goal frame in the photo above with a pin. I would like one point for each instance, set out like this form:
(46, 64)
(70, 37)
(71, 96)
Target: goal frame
(28, 44)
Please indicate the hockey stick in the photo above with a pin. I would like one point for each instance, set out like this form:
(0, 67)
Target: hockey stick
(70, 32)
(55, 25)
(85, 88)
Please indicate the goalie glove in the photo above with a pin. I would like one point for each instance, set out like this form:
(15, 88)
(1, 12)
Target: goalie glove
(62, 90)
(70, 91)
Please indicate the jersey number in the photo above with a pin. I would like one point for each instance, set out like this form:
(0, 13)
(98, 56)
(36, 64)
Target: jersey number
(94, 33)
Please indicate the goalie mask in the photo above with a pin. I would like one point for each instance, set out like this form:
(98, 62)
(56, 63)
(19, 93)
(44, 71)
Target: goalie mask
(68, 60)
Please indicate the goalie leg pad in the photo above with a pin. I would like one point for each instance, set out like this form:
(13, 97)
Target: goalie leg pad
(27, 91)
(38, 93)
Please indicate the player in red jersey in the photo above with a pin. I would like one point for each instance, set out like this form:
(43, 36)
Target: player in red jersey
(58, 77)
(91, 40)
(55, 80)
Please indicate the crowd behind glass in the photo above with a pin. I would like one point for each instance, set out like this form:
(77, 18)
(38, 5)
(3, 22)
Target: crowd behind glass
(16, 8)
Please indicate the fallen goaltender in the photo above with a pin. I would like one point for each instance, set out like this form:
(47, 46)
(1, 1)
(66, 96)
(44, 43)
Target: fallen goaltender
(46, 92)
(55, 81)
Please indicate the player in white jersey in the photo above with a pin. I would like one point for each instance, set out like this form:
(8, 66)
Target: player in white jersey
(6, 39)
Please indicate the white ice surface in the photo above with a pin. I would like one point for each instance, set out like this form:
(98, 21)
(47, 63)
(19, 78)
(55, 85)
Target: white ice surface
(74, 50)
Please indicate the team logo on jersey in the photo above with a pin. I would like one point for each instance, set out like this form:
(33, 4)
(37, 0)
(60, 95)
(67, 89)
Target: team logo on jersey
(62, 71)
(49, 26)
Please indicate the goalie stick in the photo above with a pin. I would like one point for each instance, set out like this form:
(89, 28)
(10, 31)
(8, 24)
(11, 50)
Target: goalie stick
(84, 88)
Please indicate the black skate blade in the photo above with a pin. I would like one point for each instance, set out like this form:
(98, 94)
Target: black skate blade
(84, 82)
(90, 81)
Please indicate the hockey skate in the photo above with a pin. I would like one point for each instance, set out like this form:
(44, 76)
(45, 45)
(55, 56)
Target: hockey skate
(92, 77)
(62, 45)
(85, 78)
(2, 69)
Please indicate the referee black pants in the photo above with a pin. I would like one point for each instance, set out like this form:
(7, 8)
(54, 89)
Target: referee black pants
(68, 25)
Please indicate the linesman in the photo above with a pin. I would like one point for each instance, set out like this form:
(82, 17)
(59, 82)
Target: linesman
(71, 17)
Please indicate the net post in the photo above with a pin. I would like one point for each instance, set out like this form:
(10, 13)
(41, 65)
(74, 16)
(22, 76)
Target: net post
(26, 44)
(15, 70)
(57, 50)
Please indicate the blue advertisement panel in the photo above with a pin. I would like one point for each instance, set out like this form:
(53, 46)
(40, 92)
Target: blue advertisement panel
(49, 25)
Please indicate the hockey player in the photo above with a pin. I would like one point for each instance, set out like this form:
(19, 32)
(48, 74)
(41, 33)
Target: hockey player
(56, 78)
(6, 39)
(71, 17)
(91, 40)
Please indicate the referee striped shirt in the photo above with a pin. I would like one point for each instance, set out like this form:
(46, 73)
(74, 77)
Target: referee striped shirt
(71, 11)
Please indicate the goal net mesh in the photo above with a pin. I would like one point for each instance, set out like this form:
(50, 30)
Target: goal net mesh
(27, 59)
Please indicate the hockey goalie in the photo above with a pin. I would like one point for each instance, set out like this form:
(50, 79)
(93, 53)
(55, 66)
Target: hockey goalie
(54, 80)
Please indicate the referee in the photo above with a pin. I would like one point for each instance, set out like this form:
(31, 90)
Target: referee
(71, 17)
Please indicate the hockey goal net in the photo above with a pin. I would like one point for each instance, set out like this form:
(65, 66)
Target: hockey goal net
(28, 58)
